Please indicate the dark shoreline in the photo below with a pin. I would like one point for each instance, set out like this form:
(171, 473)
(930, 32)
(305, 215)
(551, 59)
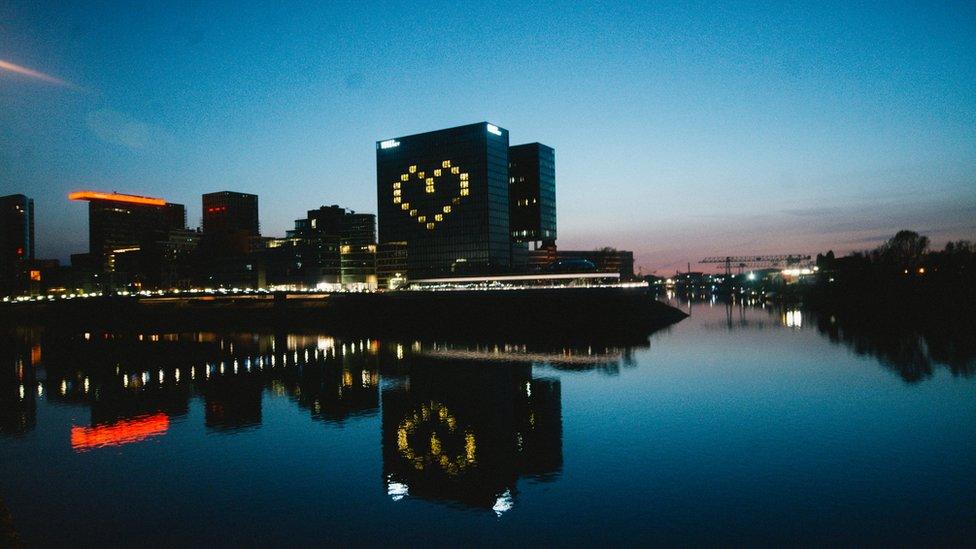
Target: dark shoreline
(614, 313)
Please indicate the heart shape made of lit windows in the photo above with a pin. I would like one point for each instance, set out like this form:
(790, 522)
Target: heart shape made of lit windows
(430, 181)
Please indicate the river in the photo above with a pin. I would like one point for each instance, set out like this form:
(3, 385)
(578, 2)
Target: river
(740, 424)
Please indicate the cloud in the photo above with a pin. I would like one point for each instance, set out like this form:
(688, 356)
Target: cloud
(31, 73)
(117, 128)
(812, 212)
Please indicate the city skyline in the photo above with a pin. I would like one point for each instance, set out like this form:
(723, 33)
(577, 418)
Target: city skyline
(775, 135)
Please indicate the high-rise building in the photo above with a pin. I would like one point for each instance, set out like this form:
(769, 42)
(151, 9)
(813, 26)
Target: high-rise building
(123, 223)
(358, 251)
(332, 246)
(532, 193)
(308, 255)
(230, 242)
(16, 238)
(228, 211)
(445, 193)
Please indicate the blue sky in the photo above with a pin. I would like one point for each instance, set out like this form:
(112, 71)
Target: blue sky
(680, 130)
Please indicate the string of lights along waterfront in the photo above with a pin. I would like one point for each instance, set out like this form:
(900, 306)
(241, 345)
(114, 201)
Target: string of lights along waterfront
(458, 204)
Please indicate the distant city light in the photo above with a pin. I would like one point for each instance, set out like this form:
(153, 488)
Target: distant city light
(389, 144)
(494, 129)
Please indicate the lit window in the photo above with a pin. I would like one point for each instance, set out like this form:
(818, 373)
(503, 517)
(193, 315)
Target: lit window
(464, 192)
(464, 177)
(429, 188)
(455, 200)
(438, 217)
(396, 185)
(396, 199)
(446, 164)
(447, 209)
(405, 177)
(422, 219)
(464, 184)
(412, 169)
(396, 192)
(430, 226)
(455, 170)
(413, 213)
(437, 172)
(405, 206)
(421, 175)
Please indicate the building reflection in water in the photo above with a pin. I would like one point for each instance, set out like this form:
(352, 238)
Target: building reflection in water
(20, 357)
(461, 423)
(466, 432)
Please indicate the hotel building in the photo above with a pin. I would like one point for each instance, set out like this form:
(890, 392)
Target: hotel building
(446, 195)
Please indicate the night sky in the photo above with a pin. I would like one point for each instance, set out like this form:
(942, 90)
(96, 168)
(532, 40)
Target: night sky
(680, 131)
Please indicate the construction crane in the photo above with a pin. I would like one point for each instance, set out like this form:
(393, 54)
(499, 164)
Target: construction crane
(742, 261)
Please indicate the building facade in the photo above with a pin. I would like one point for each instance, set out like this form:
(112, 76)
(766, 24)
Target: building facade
(128, 229)
(605, 260)
(331, 248)
(230, 243)
(228, 211)
(358, 251)
(16, 239)
(532, 193)
(391, 264)
(445, 194)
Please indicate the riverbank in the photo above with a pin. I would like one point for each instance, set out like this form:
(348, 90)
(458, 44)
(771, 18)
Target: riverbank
(569, 312)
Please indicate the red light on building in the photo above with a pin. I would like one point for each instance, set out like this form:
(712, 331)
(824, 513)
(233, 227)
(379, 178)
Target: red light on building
(20, 251)
(119, 433)
(116, 197)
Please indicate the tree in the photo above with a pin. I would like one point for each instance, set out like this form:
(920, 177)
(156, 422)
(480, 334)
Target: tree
(905, 249)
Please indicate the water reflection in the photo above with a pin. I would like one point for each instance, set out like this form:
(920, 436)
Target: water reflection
(466, 432)
(764, 415)
(911, 348)
(119, 432)
(19, 387)
(461, 423)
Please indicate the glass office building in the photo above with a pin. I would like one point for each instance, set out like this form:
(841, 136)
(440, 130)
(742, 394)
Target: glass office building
(445, 193)
(532, 193)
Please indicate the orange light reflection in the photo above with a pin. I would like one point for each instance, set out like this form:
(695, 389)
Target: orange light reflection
(119, 433)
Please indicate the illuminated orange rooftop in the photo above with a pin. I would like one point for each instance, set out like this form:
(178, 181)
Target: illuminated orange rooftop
(116, 197)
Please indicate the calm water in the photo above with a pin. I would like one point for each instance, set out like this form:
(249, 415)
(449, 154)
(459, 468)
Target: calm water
(741, 425)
